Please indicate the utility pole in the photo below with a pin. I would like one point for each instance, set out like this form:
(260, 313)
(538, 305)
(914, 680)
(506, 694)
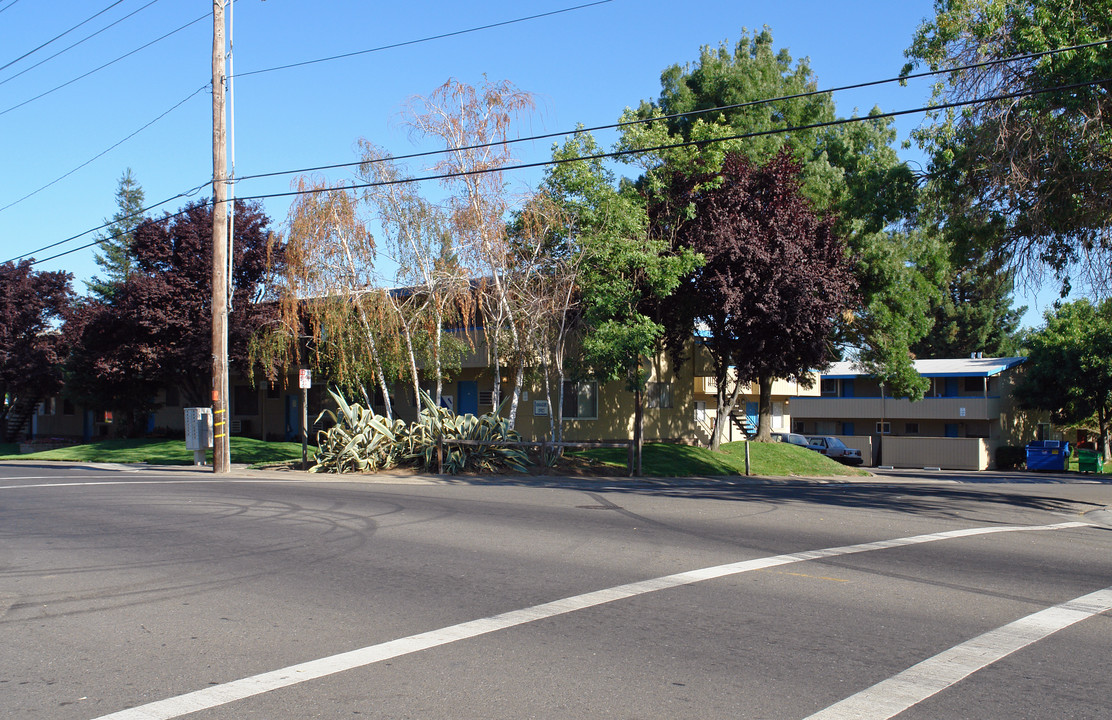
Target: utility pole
(221, 456)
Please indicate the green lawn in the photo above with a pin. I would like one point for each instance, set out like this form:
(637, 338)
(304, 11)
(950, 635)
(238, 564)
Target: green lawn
(161, 452)
(768, 459)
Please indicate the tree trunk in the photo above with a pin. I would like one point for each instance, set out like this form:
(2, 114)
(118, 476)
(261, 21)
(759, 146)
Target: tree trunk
(638, 429)
(1102, 421)
(764, 409)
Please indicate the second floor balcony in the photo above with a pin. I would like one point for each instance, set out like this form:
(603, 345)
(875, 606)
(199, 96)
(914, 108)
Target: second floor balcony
(874, 408)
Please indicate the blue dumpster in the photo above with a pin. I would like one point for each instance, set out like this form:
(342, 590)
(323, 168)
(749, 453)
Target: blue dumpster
(1048, 455)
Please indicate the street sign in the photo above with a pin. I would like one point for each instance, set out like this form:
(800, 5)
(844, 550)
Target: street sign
(304, 378)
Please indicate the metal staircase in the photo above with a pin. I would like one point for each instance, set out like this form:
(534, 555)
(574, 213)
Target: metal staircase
(19, 417)
(744, 424)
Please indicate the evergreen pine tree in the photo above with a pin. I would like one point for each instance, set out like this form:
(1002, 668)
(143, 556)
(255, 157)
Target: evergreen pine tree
(117, 256)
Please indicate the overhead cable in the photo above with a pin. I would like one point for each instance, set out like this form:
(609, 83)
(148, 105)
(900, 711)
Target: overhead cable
(59, 36)
(73, 45)
(107, 64)
(609, 155)
(107, 150)
(422, 40)
(676, 116)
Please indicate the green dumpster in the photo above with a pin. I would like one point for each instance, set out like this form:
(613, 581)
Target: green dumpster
(1089, 461)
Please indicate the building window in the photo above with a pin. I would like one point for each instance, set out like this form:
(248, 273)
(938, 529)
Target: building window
(884, 428)
(246, 400)
(67, 407)
(829, 388)
(48, 406)
(974, 384)
(580, 400)
(700, 411)
(800, 427)
(777, 416)
(911, 428)
(658, 395)
(486, 397)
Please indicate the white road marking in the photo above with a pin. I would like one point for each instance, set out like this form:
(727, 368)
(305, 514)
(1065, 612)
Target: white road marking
(898, 693)
(222, 481)
(266, 682)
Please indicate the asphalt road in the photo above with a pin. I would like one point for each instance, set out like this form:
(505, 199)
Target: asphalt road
(175, 593)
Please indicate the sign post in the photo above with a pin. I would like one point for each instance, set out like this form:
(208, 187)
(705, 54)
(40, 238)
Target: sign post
(304, 381)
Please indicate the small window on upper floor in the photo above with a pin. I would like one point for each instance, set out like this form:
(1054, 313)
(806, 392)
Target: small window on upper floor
(829, 388)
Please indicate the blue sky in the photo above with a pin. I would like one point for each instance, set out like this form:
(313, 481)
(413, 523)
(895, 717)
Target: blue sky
(584, 66)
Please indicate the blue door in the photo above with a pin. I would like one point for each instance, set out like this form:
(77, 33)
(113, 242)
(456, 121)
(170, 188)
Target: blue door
(468, 397)
(847, 390)
(752, 414)
(847, 428)
(951, 430)
(951, 387)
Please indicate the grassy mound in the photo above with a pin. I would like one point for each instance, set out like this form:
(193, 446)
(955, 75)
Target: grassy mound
(768, 459)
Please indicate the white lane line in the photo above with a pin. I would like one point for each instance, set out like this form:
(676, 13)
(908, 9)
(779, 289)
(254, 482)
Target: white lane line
(95, 483)
(898, 693)
(266, 682)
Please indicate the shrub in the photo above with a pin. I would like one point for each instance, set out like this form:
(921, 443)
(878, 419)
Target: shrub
(1010, 457)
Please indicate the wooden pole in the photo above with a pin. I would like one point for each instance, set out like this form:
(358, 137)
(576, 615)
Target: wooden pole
(221, 455)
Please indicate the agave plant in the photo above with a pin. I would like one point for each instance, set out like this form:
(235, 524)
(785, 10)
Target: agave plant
(357, 441)
(489, 432)
(361, 441)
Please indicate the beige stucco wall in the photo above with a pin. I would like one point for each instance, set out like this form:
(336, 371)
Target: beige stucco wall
(940, 452)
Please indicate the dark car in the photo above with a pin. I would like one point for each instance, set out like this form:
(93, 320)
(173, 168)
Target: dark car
(835, 449)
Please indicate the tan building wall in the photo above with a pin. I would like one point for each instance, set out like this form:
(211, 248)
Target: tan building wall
(680, 406)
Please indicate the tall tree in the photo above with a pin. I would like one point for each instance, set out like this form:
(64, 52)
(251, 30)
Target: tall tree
(624, 270)
(331, 295)
(116, 254)
(155, 329)
(474, 124)
(775, 280)
(1069, 367)
(430, 291)
(1026, 175)
(975, 314)
(851, 171)
(32, 305)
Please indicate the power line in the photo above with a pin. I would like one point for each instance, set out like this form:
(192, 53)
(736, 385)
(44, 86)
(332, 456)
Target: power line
(107, 64)
(107, 150)
(421, 40)
(188, 193)
(688, 143)
(605, 156)
(13, 2)
(79, 42)
(59, 36)
(676, 116)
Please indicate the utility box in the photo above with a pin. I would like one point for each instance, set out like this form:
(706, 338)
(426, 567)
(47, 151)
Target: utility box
(198, 432)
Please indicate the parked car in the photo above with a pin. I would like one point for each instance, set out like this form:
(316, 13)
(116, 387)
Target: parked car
(793, 438)
(835, 449)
